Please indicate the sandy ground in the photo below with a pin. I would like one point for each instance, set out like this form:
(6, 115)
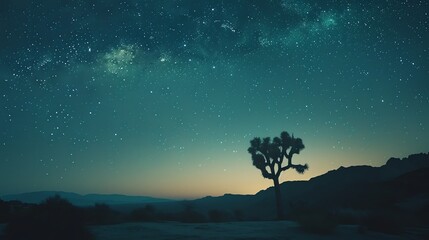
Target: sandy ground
(227, 231)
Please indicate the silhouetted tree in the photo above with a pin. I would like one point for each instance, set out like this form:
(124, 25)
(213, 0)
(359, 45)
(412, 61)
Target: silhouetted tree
(274, 157)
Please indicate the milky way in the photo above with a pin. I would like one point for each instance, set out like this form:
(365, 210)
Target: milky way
(162, 97)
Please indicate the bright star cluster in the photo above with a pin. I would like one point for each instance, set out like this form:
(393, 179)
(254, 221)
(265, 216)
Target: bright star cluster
(162, 98)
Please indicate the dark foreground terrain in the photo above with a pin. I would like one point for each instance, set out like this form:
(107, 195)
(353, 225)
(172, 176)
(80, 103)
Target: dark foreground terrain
(263, 230)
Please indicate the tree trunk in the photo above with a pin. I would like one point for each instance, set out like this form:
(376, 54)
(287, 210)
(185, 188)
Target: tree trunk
(278, 199)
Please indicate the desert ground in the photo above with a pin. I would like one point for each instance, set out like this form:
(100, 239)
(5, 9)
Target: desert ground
(257, 230)
(229, 231)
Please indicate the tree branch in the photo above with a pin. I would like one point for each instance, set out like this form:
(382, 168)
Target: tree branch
(266, 174)
(282, 156)
(285, 168)
(300, 168)
(289, 156)
(266, 157)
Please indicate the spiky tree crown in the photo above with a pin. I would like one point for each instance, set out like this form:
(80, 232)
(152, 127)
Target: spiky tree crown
(268, 156)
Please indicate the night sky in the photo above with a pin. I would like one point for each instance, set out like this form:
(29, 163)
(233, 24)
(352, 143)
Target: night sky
(161, 98)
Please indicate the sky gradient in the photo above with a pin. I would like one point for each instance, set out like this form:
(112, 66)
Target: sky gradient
(161, 98)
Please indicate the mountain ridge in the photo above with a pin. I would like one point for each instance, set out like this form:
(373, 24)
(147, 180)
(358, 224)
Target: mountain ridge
(342, 188)
(82, 199)
(333, 187)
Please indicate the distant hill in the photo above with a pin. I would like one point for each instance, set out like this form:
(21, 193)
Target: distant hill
(397, 183)
(82, 200)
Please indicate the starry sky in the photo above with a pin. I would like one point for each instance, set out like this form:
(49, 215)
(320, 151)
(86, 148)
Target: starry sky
(161, 98)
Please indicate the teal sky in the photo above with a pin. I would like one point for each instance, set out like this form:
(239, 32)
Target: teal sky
(162, 98)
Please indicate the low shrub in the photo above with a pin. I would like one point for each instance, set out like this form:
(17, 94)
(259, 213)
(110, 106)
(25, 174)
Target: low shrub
(54, 219)
(4, 211)
(238, 215)
(146, 214)
(217, 216)
(101, 214)
(190, 215)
